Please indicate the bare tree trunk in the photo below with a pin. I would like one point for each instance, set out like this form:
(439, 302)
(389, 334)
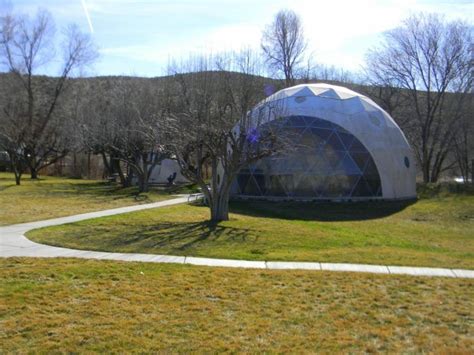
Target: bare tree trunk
(143, 185)
(129, 177)
(472, 171)
(220, 208)
(116, 168)
(17, 173)
(142, 176)
(220, 200)
(17, 178)
(146, 186)
(108, 171)
(34, 173)
(88, 165)
(74, 165)
(16, 166)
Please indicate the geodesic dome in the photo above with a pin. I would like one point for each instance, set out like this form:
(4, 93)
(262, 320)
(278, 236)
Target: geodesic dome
(346, 147)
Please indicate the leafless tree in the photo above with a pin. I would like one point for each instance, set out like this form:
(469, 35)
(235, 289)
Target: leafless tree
(96, 126)
(36, 113)
(322, 72)
(10, 133)
(209, 107)
(284, 45)
(428, 60)
(464, 141)
(125, 123)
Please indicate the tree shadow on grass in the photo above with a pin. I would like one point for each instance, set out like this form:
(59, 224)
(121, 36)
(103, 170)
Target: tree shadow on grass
(173, 236)
(96, 191)
(320, 211)
(4, 187)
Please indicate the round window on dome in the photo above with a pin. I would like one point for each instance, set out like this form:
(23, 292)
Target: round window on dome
(374, 119)
(407, 162)
(300, 99)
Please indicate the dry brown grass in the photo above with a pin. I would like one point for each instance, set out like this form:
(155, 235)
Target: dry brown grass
(51, 197)
(81, 306)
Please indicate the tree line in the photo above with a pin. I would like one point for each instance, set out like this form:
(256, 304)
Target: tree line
(198, 114)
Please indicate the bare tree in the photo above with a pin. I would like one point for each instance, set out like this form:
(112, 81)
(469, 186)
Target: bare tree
(96, 126)
(429, 60)
(10, 133)
(209, 107)
(333, 74)
(125, 122)
(464, 141)
(284, 45)
(37, 116)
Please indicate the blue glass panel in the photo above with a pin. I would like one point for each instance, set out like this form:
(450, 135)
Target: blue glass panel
(274, 187)
(308, 141)
(242, 180)
(337, 186)
(335, 142)
(349, 166)
(251, 188)
(297, 121)
(374, 185)
(322, 134)
(361, 159)
(371, 169)
(325, 161)
(339, 129)
(287, 183)
(252, 167)
(357, 146)
(303, 185)
(346, 139)
(319, 123)
(333, 157)
(260, 181)
(319, 185)
(361, 189)
(309, 120)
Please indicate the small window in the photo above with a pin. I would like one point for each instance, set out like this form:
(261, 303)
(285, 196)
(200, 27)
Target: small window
(300, 99)
(218, 179)
(374, 119)
(407, 162)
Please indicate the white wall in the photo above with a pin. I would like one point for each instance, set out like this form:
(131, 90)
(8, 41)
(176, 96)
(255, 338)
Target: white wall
(166, 168)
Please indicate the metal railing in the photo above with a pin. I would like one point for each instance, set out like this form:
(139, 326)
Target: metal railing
(195, 197)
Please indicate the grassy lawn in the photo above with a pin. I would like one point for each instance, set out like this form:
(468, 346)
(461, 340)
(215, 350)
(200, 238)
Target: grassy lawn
(81, 306)
(51, 197)
(435, 231)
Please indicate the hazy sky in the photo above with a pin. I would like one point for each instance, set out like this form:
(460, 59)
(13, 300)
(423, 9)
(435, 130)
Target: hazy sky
(138, 37)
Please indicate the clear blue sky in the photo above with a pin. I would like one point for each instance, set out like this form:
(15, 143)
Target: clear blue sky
(137, 37)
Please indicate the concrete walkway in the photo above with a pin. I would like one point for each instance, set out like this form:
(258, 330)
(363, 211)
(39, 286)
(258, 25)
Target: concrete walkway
(13, 243)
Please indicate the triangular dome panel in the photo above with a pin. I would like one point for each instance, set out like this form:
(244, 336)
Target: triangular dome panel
(304, 91)
(330, 94)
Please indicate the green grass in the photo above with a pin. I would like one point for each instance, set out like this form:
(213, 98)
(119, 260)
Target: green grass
(76, 306)
(51, 197)
(436, 232)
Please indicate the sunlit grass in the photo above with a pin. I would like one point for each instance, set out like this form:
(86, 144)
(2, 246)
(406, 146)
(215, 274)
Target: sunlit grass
(436, 232)
(51, 197)
(75, 306)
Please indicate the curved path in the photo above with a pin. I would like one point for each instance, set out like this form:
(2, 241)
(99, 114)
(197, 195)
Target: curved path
(13, 243)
